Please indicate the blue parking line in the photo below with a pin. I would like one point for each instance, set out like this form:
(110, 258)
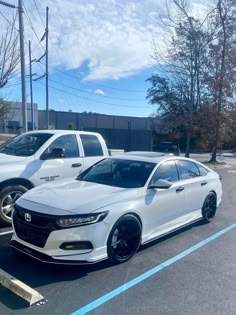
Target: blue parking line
(103, 299)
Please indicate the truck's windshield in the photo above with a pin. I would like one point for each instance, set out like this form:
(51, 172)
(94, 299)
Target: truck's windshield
(24, 145)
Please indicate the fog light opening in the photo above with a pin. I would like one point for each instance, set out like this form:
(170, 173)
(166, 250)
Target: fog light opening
(81, 245)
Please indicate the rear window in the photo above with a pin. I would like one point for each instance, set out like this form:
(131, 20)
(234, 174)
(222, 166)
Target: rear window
(91, 145)
(167, 171)
(203, 171)
(187, 169)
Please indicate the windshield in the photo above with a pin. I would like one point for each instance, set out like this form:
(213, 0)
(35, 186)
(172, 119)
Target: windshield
(24, 145)
(119, 173)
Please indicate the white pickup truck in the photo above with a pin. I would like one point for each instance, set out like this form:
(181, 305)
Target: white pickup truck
(37, 157)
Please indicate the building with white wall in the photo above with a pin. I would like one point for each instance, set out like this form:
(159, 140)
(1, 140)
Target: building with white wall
(14, 122)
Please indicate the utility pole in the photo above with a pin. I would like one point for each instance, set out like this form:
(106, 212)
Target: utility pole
(47, 99)
(31, 87)
(22, 58)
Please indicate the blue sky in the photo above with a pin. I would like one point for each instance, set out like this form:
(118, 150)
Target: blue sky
(100, 54)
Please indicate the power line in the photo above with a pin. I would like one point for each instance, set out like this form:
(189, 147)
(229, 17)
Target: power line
(85, 98)
(87, 81)
(13, 84)
(37, 9)
(100, 95)
(9, 22)
(32, 27)
(105, 86)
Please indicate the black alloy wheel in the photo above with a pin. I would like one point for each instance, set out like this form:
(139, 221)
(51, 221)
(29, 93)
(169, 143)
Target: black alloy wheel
(209, 207)
(124, 239)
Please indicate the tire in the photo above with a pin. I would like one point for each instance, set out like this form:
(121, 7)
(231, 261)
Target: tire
(8, 197)
(209, 207)
(124, 239)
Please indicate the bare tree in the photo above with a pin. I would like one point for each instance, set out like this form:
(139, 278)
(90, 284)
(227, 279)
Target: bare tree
(225, 22)
(9, 52)
(185, 59)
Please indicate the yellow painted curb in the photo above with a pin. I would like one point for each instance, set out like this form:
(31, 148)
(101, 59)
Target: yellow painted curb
(19, 288)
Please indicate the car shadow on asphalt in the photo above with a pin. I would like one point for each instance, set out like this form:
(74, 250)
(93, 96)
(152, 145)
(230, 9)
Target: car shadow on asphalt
(36, 274)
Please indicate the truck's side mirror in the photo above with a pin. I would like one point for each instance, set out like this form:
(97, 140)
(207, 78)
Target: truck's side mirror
(161, 184)
(56, 153)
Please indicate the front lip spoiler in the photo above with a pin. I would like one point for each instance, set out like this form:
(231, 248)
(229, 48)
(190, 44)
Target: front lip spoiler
(47, 259)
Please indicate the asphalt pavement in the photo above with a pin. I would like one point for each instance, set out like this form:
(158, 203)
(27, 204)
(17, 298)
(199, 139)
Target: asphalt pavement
(192, 271)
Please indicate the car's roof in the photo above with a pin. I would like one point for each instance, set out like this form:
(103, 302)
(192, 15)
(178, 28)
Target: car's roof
(136, 157)
(150, 156)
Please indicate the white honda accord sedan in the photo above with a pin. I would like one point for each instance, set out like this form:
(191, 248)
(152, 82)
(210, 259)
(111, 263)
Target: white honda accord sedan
(112, 208)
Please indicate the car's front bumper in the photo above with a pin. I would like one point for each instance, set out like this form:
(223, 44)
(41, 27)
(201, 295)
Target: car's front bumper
(52, 253)
(48, 259)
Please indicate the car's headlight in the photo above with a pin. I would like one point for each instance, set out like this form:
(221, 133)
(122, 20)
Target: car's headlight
(82, 219)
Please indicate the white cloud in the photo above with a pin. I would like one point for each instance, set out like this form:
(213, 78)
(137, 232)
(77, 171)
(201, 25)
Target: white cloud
(112, 37)
(100, 92)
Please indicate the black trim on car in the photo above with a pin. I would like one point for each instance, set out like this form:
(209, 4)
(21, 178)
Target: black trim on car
(47, 259)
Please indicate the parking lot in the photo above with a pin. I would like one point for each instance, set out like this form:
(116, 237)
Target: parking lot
(174, 275)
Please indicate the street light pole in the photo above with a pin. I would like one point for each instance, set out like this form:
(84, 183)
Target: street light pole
(31, 87)
(22, 58)
(47, 98)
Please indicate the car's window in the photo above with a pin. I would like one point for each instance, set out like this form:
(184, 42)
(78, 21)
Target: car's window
(203, 171)
(167, 171)
(68, 143)
(119, 172)
(187, 169)
(24, 145)
(91, 145)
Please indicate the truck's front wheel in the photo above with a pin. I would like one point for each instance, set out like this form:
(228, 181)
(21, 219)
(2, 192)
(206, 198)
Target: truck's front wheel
(8, 197)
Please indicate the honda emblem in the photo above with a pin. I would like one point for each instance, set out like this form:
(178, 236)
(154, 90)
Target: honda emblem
(27, 217)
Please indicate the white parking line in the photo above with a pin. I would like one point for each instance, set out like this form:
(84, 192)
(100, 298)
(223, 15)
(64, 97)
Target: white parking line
(5, 233)
(231, 171)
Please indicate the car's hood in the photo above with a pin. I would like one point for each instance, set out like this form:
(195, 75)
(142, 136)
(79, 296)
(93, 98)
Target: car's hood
(73, 196)
(7, 158)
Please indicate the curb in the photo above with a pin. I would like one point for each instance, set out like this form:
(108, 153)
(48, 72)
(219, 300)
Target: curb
(19, 288)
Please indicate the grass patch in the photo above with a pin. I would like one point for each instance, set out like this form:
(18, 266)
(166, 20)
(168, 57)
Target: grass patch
(5, 137)
(215, 164)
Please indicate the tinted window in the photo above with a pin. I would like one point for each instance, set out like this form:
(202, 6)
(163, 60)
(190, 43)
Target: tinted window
(187, 169)
(68, 143)
(203, 171)
(92, 146)
(24, 145)
(166, 171)
(119, 172)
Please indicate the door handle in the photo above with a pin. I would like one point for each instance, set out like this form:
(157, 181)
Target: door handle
(179, 189)
(203, 183)
(76, 165)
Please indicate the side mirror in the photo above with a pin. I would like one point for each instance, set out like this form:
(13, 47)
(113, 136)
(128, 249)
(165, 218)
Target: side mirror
(161, 184)
(54, 154)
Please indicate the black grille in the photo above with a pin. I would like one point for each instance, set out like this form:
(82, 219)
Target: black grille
(37, 219)
(35, 232)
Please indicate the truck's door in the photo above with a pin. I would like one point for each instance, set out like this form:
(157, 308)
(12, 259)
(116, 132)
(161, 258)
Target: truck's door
(53, 166)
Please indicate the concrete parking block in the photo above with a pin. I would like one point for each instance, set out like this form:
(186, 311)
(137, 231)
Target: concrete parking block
(19, 288)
